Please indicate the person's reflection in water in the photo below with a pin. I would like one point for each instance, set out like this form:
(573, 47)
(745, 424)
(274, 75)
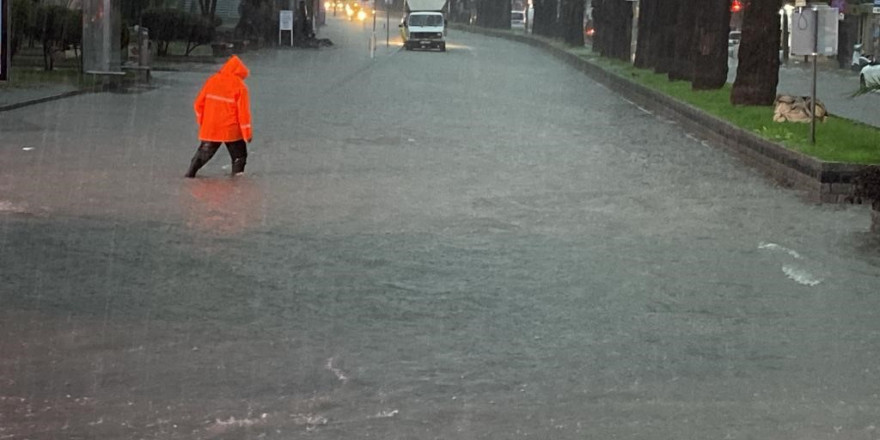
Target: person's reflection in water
(225, 206)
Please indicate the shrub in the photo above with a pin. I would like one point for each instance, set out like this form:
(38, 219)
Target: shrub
(257, 22)
(201, 31)
(165, 25)
(58, 29)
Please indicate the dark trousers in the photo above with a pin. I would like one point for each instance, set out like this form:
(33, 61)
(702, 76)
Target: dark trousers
(237, 151)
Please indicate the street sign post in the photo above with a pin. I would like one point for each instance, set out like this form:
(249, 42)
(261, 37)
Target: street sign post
(634, 35)
(388, 4)
(5, 47)
(814, 33)
(285, 23)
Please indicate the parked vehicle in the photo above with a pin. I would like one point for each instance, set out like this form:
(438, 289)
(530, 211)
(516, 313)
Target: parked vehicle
(859, 60)
(424, 25)
(869, 76)
(589, 30)
(733, 40)
(517, 19)
(352, 9)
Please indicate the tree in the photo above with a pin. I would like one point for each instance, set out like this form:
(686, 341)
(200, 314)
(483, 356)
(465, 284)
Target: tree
(493, 14)
(201, 31)
(23, 20)
(573, 22)
(758, 72)
(663, 36)
(613, 22)
(58, 29)
(644, 49)
(545, 18)
(256, 21)
(682, 67)
(131, 10)
(710, 45)
(208, 8)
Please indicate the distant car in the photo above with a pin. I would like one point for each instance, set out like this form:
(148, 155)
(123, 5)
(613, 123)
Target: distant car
(589, 30)
(517, 20)
(869, 76)
(352, 9)
(733, 40)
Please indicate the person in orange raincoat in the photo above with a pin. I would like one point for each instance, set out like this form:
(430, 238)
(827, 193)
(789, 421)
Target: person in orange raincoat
(224, 117)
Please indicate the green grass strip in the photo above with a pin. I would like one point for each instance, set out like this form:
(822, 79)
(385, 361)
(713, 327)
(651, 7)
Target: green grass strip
(837, 139)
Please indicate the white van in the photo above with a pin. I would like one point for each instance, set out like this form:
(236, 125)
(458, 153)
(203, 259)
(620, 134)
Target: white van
(517, 19)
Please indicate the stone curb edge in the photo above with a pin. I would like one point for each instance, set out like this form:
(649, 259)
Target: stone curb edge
(21, 104)
(827, 182)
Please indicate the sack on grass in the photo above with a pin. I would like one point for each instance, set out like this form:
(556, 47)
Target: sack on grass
(797, 109)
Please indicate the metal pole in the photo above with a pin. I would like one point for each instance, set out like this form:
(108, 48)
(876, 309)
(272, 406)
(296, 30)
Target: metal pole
(785, 32)
(815, 68)
(105, 33)
(634, 34)
(387, 25)
(373, 35)
(5, 34)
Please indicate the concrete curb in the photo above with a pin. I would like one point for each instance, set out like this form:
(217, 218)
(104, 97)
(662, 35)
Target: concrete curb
(827, 182)
(109, 86)
(49, 98)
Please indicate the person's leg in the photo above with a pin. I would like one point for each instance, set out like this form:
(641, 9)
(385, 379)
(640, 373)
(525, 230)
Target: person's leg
(238, 153)
(203, 155)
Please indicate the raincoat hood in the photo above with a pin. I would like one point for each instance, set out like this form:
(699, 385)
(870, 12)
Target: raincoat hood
(235, 66)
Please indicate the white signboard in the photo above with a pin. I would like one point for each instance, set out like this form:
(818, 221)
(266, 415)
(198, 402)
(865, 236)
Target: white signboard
(815, 32)
(285, 21)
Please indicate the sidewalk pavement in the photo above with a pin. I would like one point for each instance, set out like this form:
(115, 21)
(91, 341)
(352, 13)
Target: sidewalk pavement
(13, 97)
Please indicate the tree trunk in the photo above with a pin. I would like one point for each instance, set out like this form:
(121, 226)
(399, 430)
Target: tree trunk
(710, 45)
(682, 59)
(644, 53)
(208, 8)
(600, 25)
(664, 37)
(545, 18)
(613, 21)
(758, 72)
(573, 22)
(622, 24)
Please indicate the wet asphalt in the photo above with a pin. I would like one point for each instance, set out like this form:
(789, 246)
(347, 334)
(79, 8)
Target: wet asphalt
(478, 244)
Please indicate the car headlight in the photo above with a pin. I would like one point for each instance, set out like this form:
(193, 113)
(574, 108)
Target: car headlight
(362, 15)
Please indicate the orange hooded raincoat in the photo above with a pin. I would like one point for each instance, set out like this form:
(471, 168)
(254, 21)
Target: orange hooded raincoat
(223, 106)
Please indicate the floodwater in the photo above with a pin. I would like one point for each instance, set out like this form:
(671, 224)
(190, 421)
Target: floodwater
(478, 244)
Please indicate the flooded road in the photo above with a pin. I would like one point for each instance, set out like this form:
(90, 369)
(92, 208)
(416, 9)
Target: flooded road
(478, 244)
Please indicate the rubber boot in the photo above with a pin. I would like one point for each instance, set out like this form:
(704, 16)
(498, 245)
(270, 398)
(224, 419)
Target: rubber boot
(202, 156)
(238, 153)
(238, 165)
